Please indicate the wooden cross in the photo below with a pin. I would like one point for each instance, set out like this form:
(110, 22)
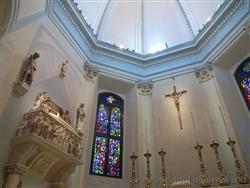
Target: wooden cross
(176, 96)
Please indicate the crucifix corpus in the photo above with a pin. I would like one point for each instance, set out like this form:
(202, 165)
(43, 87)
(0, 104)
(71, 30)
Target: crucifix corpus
(176, 96)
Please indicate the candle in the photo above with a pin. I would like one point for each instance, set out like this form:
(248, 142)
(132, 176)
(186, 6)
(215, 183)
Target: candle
(146, 133)
(195, 136)
(209, 127)
(133, 141)
(225, 124)
(160, 141)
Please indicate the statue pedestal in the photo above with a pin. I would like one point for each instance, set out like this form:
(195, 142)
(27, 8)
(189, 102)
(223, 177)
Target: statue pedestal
(20, 88)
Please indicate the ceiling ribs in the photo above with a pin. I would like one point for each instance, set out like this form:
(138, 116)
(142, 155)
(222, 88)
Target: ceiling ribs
(102, 17)
(186, 18)
(142, 27)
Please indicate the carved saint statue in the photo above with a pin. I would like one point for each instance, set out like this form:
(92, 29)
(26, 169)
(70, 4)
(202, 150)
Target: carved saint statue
(64, 69)
(40, 99)
(80, 116)
(30, 69)
(66, 117)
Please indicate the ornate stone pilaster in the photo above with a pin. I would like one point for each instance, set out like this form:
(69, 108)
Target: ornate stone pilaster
(204, 74)
(145, 87)
(90, 72)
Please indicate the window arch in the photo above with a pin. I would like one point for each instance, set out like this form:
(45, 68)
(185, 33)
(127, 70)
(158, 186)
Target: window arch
(242, 76)
(106, 157)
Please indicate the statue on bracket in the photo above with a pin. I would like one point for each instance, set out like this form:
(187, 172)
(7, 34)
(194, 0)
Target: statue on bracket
(66, 117)
(30, 68)
(64, 69)
(27, 76)
(80, 117)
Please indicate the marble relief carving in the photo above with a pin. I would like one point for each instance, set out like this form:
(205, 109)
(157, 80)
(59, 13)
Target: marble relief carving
(51, 123)
(45, 145)
(145, 87)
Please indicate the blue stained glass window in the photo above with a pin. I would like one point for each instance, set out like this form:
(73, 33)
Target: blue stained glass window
(102, 119)
(107, 144)
(242, 75)
(115, 122)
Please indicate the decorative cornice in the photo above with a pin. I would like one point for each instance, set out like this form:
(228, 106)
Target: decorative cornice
(90, 72)
(205, 73)
(145, 87)
(224, 13)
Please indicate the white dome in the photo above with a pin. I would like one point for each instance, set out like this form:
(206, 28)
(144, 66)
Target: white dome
(147, 26)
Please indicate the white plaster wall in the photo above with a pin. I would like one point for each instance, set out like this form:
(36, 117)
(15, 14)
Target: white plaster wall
(43, 37)
(239, 117)
(146, 138)
(181, 158)
(212, 101)
(30, 7)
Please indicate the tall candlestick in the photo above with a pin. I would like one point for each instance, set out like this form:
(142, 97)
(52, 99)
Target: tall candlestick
(209, 127)
(195, 136)
(146, 133)
(225, 124)
(133, 181)
(204, 181)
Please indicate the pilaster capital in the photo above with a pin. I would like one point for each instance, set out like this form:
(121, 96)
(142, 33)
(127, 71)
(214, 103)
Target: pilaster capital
(247, 28)
(145, 87)
(90, 72)
(205, 73)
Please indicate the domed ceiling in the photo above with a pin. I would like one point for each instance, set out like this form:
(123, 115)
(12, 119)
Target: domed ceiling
(147, 26)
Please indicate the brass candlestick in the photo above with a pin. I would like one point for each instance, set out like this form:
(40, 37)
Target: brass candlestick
(222, 178)
(163, 170)
(133, 176)
(241, 175)
(148, 181)
(204, 182)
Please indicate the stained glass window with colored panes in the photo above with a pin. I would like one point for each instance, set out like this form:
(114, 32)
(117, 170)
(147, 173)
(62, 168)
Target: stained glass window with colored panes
(107, 143)
(242, 75)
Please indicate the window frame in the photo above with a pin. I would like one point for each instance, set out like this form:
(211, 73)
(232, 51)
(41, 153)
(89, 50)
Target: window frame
(110, 106)
(239, 77)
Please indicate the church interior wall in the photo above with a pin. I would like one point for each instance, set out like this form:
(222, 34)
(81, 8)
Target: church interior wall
(231, 97)
(158, 112)
(179, 143)
(239, 118)
(68, 93)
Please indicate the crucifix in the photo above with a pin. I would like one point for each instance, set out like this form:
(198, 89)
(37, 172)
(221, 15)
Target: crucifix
(176, 96)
